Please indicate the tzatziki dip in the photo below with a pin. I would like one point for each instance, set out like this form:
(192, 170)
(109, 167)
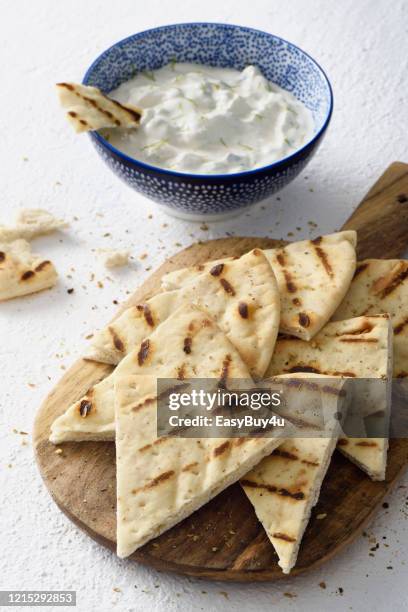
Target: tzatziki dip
(206, 120)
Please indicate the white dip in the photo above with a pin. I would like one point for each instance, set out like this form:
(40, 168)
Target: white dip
(205, 120)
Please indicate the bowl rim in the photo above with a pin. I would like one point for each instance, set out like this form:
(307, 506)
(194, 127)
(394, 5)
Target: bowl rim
(232, 175)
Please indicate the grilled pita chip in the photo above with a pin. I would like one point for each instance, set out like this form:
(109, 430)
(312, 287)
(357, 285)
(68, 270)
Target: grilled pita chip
(312, 275)
(30, 223)
(160, 481)
(89, 109)
(381, 285)
(285, 486)
(240, 295)
(359, 347)
(22, 272)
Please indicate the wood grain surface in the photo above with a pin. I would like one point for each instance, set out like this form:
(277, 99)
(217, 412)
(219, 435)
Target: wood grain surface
(224, 540)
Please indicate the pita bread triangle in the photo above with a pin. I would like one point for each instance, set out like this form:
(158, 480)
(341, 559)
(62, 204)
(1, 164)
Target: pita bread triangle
(160, 481)
(89, 109)
(312, 275)
(240, 295)
(381, 285)
(284, 487)
(22, 272)
(360, 348)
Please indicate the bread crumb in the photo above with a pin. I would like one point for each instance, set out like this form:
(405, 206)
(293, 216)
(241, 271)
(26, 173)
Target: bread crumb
(113, 258)
(321, 516)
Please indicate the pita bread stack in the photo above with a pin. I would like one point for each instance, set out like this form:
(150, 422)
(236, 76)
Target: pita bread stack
(22, 272)
(89, 109)
(220, 321)
(242, 298)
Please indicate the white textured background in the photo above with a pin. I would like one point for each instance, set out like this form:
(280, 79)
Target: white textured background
(363, 46)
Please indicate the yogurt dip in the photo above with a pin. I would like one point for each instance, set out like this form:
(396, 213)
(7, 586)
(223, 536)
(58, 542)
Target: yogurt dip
(205, 120)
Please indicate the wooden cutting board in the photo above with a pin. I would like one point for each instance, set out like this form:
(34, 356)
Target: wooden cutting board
(224, 540)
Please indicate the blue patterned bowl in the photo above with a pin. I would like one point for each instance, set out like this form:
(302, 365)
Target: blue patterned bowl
(209, 197)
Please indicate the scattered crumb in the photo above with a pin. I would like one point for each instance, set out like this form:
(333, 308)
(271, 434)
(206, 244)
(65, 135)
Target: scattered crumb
(290, 595)
(89, 336)
(100, 284)
(214, 548)
(224, 594)
(71, 290)
(117, 589)
(58, 451)
(321, 516)
(143, 256)
(322, 585)
(386, 505)
(113, 258)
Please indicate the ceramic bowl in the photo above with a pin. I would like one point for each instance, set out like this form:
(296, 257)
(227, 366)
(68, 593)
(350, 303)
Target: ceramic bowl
(198, 196)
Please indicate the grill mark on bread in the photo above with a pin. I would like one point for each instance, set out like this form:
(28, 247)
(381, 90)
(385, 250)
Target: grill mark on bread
(283, 536)
(366, 444)
(85, 408)
(27, 275)
(360, 268)
(394, 282)
(147, 313)
(358, 339)
(399, 328)
(67, 86)
(243, 310)
(292, 457)
(132, 112)
(138, 407)
(155, 481)
(143, 352)
(224, 372)
(304, 319)
(290, 285)
(280, 258)
(222, 448)
(181, 372)
(365, 328)
(217, 269)
(228, 288)
(312, 370)
(190, 466)
(75, 116)
(299, 495)
(322, 255)
(2, 256)
(117, 341)
(188, 341)
(42, 265)
(148, 446)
